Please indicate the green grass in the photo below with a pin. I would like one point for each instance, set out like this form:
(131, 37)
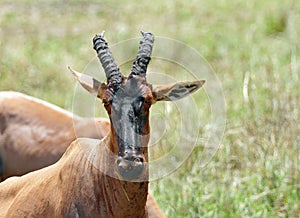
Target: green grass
(256, 170)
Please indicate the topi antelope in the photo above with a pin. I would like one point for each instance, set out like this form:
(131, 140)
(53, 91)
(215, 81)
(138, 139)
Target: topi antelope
(35, 133)
(107, 178)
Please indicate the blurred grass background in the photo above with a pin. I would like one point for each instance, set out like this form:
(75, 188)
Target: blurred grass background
(256, 170)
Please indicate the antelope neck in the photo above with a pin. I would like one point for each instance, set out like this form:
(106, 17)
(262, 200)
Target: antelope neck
(128, 199)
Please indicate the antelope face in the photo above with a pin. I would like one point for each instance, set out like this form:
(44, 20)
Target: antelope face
(128, 110)
(127, 101)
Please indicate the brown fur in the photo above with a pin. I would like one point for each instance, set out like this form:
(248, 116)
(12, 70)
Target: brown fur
(33, 134)
(54, 191)
(87, 180)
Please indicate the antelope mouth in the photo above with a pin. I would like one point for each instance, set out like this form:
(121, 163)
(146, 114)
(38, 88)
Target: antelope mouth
(130, 167)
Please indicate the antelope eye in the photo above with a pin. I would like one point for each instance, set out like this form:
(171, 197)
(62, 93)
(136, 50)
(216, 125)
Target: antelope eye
(137, 105)
(106, 103)
(147, 100)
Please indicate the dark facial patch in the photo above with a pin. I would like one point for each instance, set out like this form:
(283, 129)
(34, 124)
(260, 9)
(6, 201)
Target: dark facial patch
(129, 115)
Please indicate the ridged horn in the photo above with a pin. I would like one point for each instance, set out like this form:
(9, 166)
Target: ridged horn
(113, 75)
(143, 56)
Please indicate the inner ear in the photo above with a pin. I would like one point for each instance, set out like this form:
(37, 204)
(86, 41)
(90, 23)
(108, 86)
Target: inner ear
(92, 85)
(176, 91)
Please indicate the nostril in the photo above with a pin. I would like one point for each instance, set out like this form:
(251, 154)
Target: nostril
(129, 161)
(130, 167)
(138, 160)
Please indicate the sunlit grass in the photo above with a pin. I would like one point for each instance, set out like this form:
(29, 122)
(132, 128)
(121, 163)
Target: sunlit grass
(256, 170)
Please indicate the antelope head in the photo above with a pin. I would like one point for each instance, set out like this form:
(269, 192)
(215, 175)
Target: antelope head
(127, 101)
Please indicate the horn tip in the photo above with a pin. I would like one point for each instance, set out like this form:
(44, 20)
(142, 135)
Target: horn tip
(146, 33)
(102, 34)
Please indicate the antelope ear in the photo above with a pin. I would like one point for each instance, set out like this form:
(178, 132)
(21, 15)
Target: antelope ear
(89, 83)
(176, 91)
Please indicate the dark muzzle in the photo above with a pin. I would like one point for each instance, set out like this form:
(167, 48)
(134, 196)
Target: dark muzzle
(130, 166)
